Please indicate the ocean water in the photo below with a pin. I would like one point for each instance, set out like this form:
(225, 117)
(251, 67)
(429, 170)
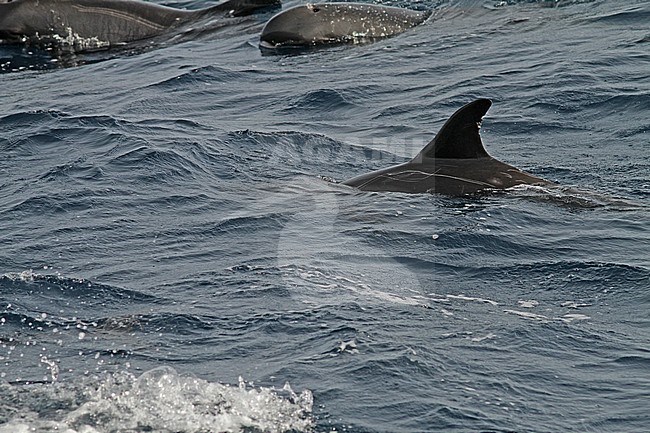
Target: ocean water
(177, 253)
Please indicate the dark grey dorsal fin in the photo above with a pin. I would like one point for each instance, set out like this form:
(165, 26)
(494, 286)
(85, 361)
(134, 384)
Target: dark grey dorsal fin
(459, 137)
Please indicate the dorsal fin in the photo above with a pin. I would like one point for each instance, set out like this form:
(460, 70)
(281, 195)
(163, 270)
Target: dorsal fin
(459, 137)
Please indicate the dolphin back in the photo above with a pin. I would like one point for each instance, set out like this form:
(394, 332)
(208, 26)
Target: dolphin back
(331, 23)
(87, 25)
(453, 163)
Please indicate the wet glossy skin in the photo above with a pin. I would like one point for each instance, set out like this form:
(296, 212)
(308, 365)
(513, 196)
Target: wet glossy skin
(445, 176)
(327, 23)
(112, 22)
(454, 163)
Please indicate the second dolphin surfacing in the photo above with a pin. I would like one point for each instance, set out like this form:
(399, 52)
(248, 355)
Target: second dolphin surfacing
(335, 23)
(93, 25)
(453, 163)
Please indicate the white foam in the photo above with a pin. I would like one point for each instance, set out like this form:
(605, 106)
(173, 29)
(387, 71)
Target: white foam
(160, 400)
(77, 43)
(528, 315)
(528, 304)
(472, 299)
(568, 318)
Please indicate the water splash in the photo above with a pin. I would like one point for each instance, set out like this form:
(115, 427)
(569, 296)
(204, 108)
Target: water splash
(160, 400)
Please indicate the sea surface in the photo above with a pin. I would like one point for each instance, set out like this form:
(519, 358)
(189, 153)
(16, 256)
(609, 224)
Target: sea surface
(177, 253)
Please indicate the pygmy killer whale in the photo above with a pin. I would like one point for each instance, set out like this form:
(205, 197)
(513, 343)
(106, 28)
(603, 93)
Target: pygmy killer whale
(104, 23)
(334, 23)
(453, 163)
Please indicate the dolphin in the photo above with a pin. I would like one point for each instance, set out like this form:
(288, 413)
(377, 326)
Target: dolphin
(334, 23)
(106, 23)
(453, 163)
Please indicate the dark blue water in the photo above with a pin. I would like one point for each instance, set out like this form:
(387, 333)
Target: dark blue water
(173, 251)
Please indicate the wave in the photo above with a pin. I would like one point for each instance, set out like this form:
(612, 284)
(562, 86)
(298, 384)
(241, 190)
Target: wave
(160, 400)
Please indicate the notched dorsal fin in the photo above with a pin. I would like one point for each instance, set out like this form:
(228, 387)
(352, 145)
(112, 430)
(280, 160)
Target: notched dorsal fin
(459, 137)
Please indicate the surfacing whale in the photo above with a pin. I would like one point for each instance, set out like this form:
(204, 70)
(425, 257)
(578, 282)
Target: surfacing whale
(453, 163)
(102, 24)
(336, 23)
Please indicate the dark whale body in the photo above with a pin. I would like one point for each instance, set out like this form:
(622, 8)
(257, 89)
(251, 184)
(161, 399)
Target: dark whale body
(104, 23)
(453, 163)
(335, 23)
